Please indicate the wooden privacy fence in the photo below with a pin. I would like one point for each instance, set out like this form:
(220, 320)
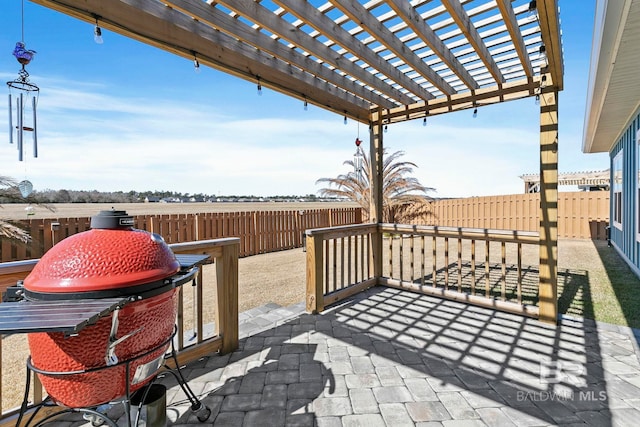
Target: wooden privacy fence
(259, 231)
(581, 215)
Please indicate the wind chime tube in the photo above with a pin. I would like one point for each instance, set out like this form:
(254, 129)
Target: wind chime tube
(10, 121)
(20, 125)
(35, 128)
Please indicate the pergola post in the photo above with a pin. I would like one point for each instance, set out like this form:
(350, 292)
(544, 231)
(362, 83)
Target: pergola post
(375, 209)
(548, 276)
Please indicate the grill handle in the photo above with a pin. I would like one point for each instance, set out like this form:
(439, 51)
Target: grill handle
(110, 357)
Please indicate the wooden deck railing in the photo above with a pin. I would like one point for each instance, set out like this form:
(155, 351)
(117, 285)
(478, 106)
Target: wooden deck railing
(479, 266)
(338, 263)
(193, 340)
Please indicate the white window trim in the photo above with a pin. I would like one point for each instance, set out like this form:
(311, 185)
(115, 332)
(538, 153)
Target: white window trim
(637, 185)
(617, 224)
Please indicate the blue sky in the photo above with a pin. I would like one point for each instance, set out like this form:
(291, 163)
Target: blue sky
(127, 116)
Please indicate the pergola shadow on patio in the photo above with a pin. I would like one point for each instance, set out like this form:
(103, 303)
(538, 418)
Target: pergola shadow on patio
(392, 357)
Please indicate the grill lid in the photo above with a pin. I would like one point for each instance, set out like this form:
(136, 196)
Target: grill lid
(110, 256)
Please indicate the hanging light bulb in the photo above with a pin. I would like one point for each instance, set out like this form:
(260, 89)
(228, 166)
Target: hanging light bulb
(475, 110)
(97, 33)
(543, 82)
(537, 101)
(542, 55)
(345, 119)
(386, 128)
(424, 121)
(259, 87)
(306, 104)
(196, 64)
(532, 7)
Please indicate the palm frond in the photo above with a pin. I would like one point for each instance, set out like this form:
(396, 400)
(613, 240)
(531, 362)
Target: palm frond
(404, 197)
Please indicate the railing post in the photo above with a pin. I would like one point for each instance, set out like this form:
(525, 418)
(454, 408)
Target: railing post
(548, 276)
(315, 264)
(227, 283)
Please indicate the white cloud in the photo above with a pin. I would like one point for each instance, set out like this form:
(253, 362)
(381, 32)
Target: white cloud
(93, 138)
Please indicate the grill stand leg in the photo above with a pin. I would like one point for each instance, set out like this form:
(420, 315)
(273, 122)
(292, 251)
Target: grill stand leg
(201, 411)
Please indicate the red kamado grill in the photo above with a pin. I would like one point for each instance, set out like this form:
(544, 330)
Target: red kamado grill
(107, 302)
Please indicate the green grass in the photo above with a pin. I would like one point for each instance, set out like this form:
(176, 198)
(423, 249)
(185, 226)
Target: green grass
(594, 282)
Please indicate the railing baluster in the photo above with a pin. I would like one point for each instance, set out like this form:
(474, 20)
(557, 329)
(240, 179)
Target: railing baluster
(459, 265)
(519, 284)
(435, 266)
(473, 267)
(422, 272)
(413, 274)
(365, 259)
(342, 262)
(487, 291)
(401, 257)
(327, 268)
(355, 259)
(446, 263)
(335, 264)
(349, 282)
(503, 290)
(391, 255)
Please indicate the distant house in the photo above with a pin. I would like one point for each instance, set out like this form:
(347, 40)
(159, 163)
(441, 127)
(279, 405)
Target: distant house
(585, 181)
(170, 200)
(612, 121)
(152, 199)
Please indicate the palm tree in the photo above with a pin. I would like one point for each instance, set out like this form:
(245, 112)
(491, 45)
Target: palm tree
(9, 230)
(403, 197)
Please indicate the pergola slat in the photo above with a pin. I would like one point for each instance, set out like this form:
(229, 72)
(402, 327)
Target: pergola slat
(277, 25)
(431, 39)
(326, 26)
(471, 33)
(377, 29)
(516, 36)
(229, 25)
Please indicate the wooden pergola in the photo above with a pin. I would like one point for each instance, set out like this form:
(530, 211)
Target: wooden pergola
(378, 62)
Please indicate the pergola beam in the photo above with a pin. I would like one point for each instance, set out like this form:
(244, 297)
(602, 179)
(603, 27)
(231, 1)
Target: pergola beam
(508, 92)
(550, 32)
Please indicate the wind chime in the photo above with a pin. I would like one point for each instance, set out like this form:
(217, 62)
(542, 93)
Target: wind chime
(23, 100)
(358, 157)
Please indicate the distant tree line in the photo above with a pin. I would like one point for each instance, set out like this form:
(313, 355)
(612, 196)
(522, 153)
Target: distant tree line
(94, 196)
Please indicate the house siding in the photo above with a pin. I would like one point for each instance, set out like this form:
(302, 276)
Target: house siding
(624, 239)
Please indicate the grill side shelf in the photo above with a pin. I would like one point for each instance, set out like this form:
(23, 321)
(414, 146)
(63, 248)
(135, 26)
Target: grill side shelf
(69, 317)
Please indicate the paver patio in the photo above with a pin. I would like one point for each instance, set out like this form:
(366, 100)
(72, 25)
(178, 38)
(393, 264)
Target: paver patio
(393, 358)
